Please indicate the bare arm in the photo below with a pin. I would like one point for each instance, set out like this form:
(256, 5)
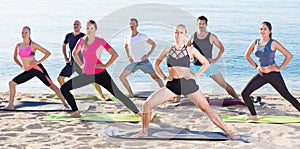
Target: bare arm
(114, 56)
(64, 51)
(248, 54)
(76, 57)
(16, 57)
(153, 45)
(285, 52)
(158, 60)
(201, 59)
(190, 41)
(218, 44)
(43, 50)
(128, 54)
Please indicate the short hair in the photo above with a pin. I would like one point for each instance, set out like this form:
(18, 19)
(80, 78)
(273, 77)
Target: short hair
(202, 18)
(134, 19)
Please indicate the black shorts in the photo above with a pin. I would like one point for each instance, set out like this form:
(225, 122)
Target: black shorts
(182, 86)
(39, 72)
(69, 69)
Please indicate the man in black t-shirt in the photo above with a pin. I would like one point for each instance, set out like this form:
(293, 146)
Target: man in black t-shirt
(71, 66)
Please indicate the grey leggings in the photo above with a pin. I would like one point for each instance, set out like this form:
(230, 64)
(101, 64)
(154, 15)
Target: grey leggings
(276, 80)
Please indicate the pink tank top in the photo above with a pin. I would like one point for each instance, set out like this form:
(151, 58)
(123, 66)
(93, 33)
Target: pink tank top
(92, 55)
(26, 53)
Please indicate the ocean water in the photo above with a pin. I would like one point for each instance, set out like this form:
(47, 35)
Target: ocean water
(235, 22)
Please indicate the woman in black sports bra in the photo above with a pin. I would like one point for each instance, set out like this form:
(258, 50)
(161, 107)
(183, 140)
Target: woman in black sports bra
(180, 81)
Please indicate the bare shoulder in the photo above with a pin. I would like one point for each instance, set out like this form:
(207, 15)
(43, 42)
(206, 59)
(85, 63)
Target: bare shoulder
(276, 44)
(166, 49)
(253, 42)
(275, 41)
(213, 36)
(34, 44)
(191, 49)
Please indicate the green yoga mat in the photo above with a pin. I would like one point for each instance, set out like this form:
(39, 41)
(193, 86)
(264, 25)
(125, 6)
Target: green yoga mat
(267, 119)
(92, 97)
(98, 117)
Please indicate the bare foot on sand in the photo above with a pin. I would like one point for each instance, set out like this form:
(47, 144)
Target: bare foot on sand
(232, 136)
(141, 134)
(252, 118)
(75, 114)
(130, 95)
(8, 108)
(177, 99)
(66, 107)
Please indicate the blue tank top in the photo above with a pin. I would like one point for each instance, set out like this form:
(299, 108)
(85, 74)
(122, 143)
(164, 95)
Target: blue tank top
(264, 54)
(181, 58)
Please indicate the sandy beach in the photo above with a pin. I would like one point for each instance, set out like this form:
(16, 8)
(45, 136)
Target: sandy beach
(28, 130)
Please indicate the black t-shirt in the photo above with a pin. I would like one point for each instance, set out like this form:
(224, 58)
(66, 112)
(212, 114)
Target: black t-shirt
(72, 40)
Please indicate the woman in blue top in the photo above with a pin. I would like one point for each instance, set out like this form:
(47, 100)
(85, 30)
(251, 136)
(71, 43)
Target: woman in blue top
(268, 71)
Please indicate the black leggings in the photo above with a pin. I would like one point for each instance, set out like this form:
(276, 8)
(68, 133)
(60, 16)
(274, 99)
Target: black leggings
(102, 79)
(276, 80)
(36, 71)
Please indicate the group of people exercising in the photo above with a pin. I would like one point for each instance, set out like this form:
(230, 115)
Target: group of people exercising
(185, 61)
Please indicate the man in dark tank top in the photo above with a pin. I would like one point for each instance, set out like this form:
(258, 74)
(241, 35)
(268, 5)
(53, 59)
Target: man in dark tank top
(204, 41)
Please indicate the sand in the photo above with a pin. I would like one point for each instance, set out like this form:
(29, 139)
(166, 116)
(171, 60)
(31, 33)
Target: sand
(28, 130)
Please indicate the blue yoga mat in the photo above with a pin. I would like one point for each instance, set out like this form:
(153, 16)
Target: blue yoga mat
(20, 106)
(176, 134)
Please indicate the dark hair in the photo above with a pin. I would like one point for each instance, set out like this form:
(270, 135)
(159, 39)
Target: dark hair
(86, 39)
(202, 18)
(134, 19)
(268, 24)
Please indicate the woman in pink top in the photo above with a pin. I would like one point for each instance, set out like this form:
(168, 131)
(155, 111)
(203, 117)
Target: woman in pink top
(33, 68)
(94, 70)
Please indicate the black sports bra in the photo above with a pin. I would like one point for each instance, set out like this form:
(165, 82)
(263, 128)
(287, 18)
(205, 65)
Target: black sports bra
(180, 58)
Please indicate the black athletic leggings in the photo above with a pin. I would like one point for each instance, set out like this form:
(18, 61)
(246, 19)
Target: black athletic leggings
(102, 79)
(36, 71)
(276, 80)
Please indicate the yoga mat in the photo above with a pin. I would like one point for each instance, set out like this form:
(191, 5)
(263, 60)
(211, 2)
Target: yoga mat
(40, 106)
(91, 97)
(267, 119)
(219, 102)
(173, 134)
(142, 94)
(100, 117)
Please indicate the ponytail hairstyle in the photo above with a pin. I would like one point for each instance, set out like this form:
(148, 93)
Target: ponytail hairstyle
(86, 38)
(268, 24)
(28, 28)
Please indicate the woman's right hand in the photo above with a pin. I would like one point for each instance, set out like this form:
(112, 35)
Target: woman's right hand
(130, 59)
(169, 78)
(268, 69)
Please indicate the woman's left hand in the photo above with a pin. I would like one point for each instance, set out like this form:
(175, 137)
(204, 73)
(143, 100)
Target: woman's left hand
(210, 60)
(100, 66)
(268, 69)
(34, 62)
(188, 77)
